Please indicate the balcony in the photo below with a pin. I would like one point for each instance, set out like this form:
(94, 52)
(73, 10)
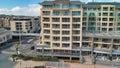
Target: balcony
(86, 48)
(102, 50)
(116, 52)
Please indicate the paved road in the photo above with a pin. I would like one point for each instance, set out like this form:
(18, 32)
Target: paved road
(5, 62)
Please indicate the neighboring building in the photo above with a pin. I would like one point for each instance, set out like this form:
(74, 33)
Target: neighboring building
(24, 24)
(30, 24)
(66, 27)
(5, 37)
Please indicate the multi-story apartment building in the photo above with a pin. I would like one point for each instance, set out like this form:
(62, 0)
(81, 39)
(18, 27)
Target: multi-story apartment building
(24, 24)
(69, 28)
(101, 16)
(5, 36)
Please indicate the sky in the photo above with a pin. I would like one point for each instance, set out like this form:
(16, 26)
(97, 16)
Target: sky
(28, 7)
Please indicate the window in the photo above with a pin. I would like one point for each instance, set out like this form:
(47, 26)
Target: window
(56, 26)
(46, 12)
(76, 20)
(76, 38)
(65, 19)
(85, 8)
(48, 43)
(47, 6)
(56, 44)
(56, 32)
(105, 14)
(65, 45)
(65, 13)
(65, 5)
(57, 6)
(65, 38)
(56, 13)
(84, 23)
(111, 19)
(111, 24)
(56, 38)
(110, 29)
(92, 19)
(104, 24)
(84, 19)
(84, 14)
(76, 13)
(45, 19)
(47, 37)
(65, 26)
(76, 31)
(99, 19)
(74, 6)
(105, 8)
(76, 25)
(46, 31)
(111, 8)
(47, 25)
(55, 19)
(65, 32)
(111, 14)
(99, 14)
(91, 14)
(104, 29)
(104, 19)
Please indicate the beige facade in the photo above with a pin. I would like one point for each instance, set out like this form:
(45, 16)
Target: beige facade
(59, 27)
(24, 25)
(73, 27)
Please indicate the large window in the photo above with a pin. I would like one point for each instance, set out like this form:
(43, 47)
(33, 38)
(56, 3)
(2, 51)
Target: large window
(55, 19)
(56, 13)
(76, 20)
(65, 5)
(76, 38)
(45, 19)
(76, 31)
(65, 26)
(56, 38)
(76, 13)
(46, 12)
(74, 6)
(76, 25)
(65, 13)
(56, 32)
(65, 38)
(18, 26)
(47, 6)
(47, 31)
(65, 45)
(65, 19)
(56, 26)
(65, 32)
(47, 25)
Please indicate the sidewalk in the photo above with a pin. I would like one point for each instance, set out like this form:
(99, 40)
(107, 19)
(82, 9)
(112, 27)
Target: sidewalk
(30, 64)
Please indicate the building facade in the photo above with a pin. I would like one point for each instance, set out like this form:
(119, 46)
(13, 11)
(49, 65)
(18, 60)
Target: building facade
(24, 25)
(72, 28)
(5, 37)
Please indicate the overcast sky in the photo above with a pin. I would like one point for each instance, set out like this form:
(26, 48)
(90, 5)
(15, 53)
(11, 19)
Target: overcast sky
(29, 7)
